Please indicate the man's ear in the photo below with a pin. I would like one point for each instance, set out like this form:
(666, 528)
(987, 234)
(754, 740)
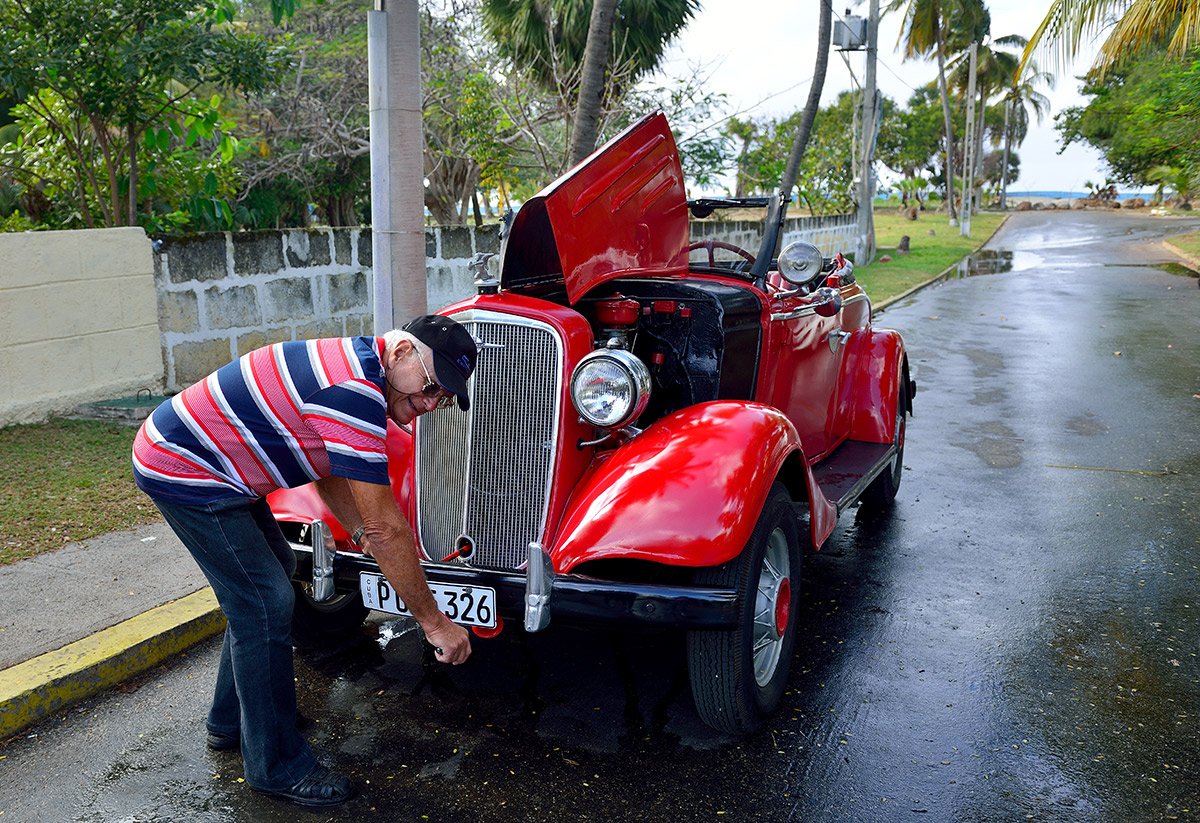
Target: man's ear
(402, 348)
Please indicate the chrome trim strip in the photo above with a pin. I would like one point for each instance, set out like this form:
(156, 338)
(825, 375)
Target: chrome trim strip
(808, 311)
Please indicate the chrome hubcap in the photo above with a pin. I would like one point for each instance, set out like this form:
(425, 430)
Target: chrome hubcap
(772, 607)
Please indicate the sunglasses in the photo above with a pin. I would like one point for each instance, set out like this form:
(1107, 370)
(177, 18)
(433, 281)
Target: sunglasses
(432, 388)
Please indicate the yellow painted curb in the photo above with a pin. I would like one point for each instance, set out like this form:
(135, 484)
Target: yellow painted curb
(32, 690)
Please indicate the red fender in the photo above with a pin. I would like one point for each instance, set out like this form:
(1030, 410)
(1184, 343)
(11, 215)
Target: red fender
(303, 504)
(685, 492)
(870, 384)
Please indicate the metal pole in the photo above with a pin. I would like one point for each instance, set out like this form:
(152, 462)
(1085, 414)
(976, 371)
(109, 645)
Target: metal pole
(870, 123)
(969, 145)
(397, 157)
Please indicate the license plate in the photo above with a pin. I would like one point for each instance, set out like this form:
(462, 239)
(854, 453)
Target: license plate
(466, 605)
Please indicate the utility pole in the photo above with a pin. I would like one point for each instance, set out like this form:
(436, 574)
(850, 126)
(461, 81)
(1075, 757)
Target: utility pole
(870, 127)
(397, 163)
(964, 226)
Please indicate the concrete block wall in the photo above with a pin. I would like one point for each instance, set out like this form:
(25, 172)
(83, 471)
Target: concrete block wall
(831, 234)
(77, 320)
(223, 294)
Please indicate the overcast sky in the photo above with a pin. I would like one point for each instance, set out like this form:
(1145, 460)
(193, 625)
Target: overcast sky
(760, 53)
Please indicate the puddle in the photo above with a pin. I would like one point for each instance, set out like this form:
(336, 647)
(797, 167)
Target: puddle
(985, 261)
(1177, 269)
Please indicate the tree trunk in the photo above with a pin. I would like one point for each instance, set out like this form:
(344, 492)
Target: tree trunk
(813, 104)
(949, 124)
(131, 136)
(591, 86)
(769, 248)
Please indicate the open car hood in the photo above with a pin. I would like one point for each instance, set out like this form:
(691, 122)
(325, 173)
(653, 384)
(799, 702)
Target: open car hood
(621, 212)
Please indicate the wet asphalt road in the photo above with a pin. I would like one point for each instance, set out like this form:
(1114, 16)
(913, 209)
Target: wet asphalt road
(1018, 640)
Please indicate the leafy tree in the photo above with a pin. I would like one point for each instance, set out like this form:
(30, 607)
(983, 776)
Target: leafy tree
(1132, 26)
(910, 139)
(1141, 118)
(1021, 97)
(940, 28)
(106, 80)
(309, 141)
(825, 180)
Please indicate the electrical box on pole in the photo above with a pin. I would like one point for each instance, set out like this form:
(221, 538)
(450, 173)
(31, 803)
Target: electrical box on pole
(849, 33)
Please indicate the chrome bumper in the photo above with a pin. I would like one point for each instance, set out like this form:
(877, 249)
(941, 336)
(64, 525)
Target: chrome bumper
(567, 597)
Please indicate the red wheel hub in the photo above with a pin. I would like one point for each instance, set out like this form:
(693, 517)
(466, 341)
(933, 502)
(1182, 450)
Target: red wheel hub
(783, 606)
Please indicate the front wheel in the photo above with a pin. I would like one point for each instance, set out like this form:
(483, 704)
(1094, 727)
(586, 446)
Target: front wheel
(738, 675)
(329, 623)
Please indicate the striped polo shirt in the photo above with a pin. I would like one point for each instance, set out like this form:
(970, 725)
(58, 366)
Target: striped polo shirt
(278, 417)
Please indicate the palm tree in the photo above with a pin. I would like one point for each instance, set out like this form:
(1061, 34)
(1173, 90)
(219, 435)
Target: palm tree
(927, 28)
(995, 73)
(1070, 24)
(1022, 95)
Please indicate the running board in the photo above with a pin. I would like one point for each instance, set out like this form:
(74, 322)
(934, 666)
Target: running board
(845, 475)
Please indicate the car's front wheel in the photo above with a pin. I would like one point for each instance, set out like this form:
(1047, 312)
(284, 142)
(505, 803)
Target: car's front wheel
(738, 675)
(332, 622)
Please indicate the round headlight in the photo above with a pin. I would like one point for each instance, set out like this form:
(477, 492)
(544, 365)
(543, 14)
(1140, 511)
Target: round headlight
(800, 262)
(610, 388)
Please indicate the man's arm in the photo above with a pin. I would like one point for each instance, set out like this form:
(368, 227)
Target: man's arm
(393, 546)
(335, 493)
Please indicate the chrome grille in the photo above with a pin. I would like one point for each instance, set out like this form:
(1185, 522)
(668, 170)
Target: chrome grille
(486, 473)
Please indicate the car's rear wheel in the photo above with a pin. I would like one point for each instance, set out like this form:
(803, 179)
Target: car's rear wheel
(332, 622)
(882, 491)
(738, 675)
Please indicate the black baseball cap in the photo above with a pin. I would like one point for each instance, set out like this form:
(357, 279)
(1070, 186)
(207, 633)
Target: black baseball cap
(454, 352)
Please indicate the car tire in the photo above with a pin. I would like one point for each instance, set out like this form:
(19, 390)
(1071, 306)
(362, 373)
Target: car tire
(738, 675)
(882, 491)
(330, 623)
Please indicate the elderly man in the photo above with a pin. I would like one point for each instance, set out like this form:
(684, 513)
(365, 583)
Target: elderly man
(283, 416)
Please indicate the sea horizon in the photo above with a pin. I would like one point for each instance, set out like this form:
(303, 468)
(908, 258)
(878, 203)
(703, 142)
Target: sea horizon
(1075, 195)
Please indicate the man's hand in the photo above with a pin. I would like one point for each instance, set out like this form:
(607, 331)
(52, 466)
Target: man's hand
(390, 540)
(450, 639)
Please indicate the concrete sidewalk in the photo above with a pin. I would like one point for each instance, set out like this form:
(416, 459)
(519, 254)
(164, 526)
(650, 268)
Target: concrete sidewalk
(83, 618)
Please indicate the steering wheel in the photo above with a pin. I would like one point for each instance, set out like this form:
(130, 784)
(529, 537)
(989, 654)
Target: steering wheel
(711, 244)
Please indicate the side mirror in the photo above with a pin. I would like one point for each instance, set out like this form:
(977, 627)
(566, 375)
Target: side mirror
(826, 301)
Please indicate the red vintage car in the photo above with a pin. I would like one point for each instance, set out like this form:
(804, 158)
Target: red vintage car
(652, 439)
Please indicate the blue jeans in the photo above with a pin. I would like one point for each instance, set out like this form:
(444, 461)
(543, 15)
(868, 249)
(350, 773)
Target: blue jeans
(244, 555)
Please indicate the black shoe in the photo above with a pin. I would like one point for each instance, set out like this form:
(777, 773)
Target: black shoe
(221, 742)
(322, 787)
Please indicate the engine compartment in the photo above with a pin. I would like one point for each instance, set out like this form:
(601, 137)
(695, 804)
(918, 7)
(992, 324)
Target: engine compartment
(700, 339)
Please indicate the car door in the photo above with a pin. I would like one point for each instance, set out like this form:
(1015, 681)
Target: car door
(803, 354)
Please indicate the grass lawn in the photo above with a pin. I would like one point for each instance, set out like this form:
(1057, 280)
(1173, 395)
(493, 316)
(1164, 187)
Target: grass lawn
(63, 481)
(1189, 243)
(929, 254)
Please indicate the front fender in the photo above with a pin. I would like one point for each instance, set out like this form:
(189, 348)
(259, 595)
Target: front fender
(685, 492)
